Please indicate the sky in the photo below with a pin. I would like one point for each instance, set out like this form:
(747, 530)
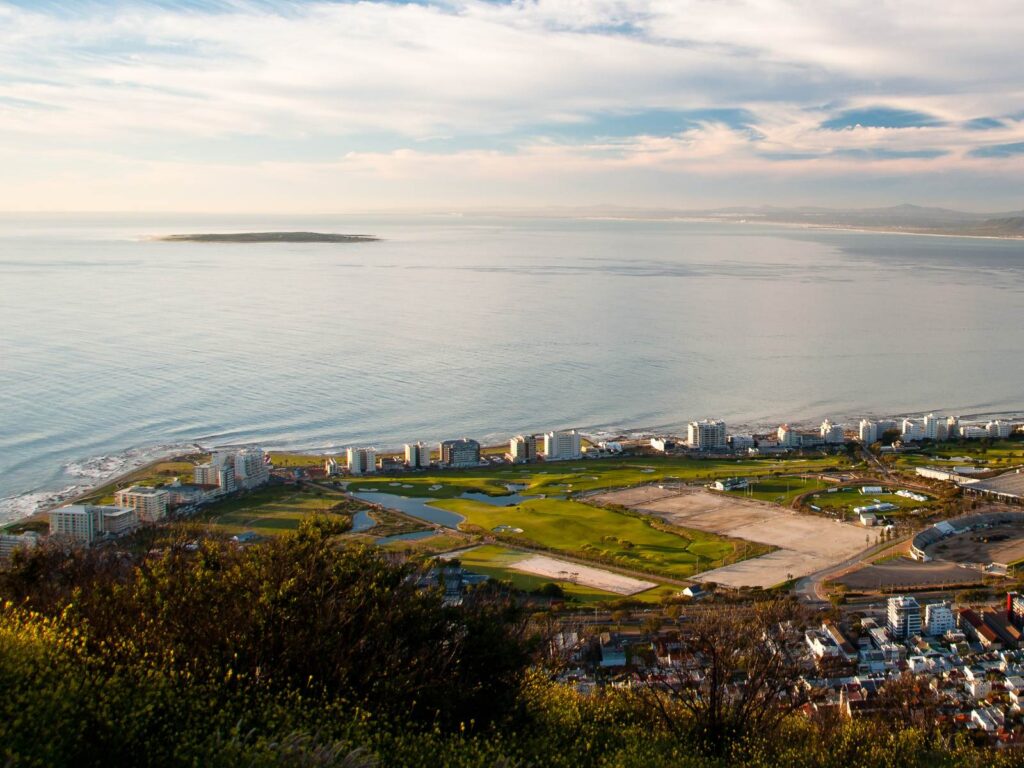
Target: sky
(331, 107)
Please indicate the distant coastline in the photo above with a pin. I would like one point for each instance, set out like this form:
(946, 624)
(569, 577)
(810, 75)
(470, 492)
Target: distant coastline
(268, 237)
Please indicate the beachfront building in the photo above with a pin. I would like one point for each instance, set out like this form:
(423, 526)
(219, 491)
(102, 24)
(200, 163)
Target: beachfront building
(522, 449)
(84, 523)
(973, 432)
(787, 437)
(234, 470)
(934, 427)
(903, 617)
(331, 467)
(999, 428)
(953, 427)
(11, 543)
(218, 471)
(562, 445)
(251, 468)
(831, 433)
(706, 435)
(150, 504)
(867, 432)
(459, 453)
(911, 431)
(741, 442)
(417, 455)
(362, 461)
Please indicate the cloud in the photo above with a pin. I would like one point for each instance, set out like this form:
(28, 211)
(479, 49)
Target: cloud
(546, 95)
(999, 150)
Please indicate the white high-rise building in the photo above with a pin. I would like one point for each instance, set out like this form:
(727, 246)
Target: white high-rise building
(562, 446)
(231, 470)
(150, 504)
(362, 461)
(788, 438)
(417, 455)
(868, 431)
(251, 469)
(706, 435)
(999, 428)
(931, 427)
(832, 433)
(522, 449)
(83, 523)
(938, 619)
(953, 427)
(911, 431)
(904, 617)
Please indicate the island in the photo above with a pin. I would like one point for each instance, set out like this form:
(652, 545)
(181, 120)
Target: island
(269, 237)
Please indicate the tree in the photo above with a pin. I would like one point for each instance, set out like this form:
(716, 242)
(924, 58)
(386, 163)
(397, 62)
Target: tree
(738, 677)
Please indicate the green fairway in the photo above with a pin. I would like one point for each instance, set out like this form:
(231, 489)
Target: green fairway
(271, 510)
(494, 561)
(603, 535)
(585, 475)
(994, 454)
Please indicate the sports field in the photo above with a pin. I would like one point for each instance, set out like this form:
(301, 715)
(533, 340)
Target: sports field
(806, 543)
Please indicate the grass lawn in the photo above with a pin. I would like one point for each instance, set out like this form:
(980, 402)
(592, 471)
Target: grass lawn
(780, 490)
(848, 497)
(586, 475)
(602, 535)
(492, 560)
(270, 510)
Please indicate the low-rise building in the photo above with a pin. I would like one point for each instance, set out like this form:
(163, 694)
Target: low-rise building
(150, 504)
(10, 543)
(84, 523)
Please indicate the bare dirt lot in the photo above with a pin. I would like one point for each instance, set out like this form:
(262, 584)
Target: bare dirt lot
(1004, 544)
(539, 565)
(806, 543)
(909, 573)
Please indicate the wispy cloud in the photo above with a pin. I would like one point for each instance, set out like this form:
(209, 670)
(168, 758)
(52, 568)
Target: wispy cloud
(460, 102)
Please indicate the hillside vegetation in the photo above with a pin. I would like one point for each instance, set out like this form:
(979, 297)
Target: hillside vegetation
(297, 652)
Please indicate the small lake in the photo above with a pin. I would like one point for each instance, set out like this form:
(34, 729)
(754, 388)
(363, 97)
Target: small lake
(415, 507)
(361, 521)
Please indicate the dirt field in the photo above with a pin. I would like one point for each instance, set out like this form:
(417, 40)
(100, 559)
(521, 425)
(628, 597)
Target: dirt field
(909, 573)
(560, 570)
(806, 543)
(632, 497)
(971, 547)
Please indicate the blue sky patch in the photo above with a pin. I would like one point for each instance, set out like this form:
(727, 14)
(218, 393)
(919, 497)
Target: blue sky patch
(999, 150)
(880, 117)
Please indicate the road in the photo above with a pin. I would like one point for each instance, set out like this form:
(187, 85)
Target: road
(811, 589)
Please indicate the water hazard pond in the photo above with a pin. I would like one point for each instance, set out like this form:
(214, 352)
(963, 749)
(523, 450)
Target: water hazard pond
(420, 507)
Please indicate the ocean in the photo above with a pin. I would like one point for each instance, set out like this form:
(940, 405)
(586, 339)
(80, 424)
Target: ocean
(115, 348)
